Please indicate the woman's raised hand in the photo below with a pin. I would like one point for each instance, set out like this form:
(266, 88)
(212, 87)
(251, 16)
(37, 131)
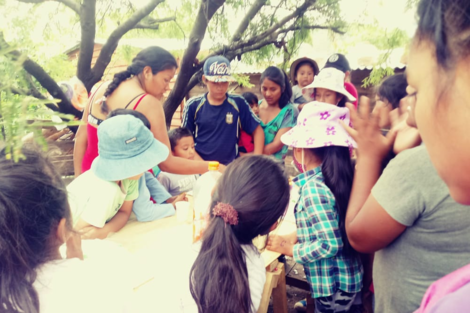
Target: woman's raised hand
(367, 133)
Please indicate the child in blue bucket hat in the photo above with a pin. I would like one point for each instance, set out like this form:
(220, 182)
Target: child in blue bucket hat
(101, 199)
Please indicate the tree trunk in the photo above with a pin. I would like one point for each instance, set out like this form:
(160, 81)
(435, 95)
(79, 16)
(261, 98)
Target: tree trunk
(87, 42)
(187, 68)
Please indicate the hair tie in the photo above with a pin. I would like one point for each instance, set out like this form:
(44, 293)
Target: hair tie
(226, 212)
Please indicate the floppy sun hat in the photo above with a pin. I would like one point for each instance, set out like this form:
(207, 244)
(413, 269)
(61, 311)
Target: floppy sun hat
(126, 148)
(318, 126)
(217, 69)
(294, 65)
(332, 79)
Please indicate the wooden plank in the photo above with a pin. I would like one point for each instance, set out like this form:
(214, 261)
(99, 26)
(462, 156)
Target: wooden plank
(298, 283)
(271, 282)
(272, 267)
(280, 293)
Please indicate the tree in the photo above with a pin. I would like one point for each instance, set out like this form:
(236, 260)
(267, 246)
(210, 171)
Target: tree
(264, 27)
(259, 28)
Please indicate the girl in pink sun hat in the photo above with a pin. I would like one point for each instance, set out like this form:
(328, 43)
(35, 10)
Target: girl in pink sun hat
(322, 150)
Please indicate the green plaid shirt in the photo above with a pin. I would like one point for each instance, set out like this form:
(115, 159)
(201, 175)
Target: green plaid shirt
(319, 247)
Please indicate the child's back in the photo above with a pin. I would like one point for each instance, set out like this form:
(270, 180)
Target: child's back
(102, 198)
(35, 220)
(96, 200)
(229, 273)
(76, 286)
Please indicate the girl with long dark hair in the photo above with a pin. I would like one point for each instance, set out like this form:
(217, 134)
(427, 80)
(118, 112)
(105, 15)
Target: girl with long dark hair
(229, 273)
(35, 220)
(278, 115)
(322, 150)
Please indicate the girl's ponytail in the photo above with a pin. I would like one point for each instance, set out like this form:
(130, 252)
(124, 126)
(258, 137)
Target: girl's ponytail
(221, 260)
(219, 276)
(338, 172)
(117, 80)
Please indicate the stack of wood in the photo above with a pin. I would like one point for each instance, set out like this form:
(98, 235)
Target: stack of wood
(60, 148)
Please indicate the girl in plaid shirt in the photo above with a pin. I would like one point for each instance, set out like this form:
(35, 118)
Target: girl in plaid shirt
(322, 154)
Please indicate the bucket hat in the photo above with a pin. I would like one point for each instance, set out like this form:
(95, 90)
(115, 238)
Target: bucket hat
(332, 79)
(294, 65)
(126, 148)
(318, 126)
(217, 69)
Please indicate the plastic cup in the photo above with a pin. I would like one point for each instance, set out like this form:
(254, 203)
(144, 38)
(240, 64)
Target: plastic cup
(182, 211)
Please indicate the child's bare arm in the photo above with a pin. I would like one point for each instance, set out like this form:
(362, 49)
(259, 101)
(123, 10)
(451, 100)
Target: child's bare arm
(277, 144)
(281, 244)
(258, 139)
(114, 225)
(120, 219)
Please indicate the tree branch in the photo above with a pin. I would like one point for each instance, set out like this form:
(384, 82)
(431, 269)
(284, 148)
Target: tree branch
(155, 24)
(111, 44)
(295, 27)
(254, 9)
(69, 3)
(275, 11)
(146, 26)
(24, 92)
(87, 43)
(32, 89)
(65, 106)
(206, 11)
(297, 12)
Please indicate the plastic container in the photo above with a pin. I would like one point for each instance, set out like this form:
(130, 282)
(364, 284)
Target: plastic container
(182, 211)
(202, 193)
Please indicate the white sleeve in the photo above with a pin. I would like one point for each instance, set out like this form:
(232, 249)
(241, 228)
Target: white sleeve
(256, 274)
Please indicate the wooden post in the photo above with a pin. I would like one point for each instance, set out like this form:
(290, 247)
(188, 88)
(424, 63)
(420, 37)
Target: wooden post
(280, 292)
(271, 281)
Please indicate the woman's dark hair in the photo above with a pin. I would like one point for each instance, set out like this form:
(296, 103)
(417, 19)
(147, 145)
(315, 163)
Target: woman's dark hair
(393, 89)
(219, 277)
(250, 97)
(176, 134)
(157, 58)
(338, 172)
(446, 23)
(279, 77)
(134, 113)
(33, 200)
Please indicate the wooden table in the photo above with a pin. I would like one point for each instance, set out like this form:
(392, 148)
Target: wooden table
(164, 253)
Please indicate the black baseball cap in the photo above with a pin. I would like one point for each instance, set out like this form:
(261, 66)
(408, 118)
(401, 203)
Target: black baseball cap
(339, 62)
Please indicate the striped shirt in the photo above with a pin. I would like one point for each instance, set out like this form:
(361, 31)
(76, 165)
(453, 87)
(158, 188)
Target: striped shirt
(319, 247)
